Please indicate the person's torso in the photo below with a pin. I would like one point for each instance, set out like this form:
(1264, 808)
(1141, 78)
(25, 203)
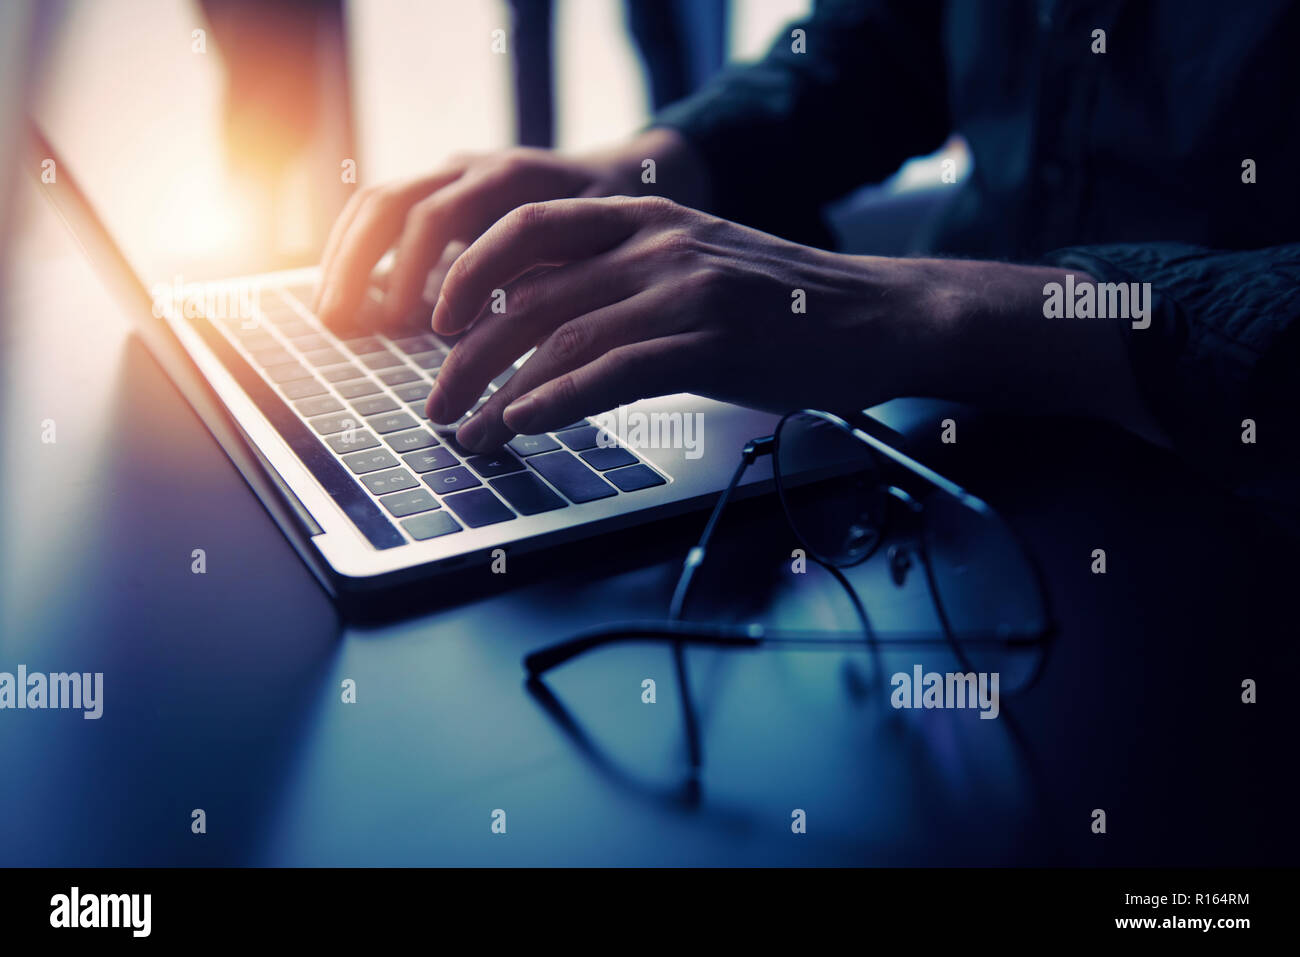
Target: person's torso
(1148, 140)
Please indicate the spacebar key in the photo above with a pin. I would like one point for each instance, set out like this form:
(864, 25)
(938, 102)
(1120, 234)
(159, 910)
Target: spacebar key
(571, 477)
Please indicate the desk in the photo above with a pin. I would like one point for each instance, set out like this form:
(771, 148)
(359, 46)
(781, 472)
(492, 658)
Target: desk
(222, 690)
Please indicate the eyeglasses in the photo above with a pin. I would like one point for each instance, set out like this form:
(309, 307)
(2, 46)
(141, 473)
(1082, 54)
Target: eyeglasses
(844, 493)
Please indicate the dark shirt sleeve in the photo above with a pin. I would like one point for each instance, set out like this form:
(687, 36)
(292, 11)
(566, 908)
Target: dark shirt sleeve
(1223, 347)
(785, 135)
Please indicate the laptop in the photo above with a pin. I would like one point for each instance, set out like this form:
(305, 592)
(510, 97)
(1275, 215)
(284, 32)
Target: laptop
(329, 431)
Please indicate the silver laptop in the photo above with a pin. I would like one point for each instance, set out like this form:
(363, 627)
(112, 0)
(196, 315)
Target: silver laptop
(330, 431)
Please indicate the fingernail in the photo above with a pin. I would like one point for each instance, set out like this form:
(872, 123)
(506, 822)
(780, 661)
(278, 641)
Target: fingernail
(436, 405)
(519, 414)
(328, 304)
(440, 317)
(471, 432)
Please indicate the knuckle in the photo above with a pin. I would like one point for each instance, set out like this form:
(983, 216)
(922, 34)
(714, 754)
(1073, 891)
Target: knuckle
(657, 207)
(387, 194)
(514, 161)
(527, 217)
(565, 391)
(424, 213)
(569, 342)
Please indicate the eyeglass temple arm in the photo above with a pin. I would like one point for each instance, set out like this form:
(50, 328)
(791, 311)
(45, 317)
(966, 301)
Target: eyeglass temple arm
(701, 634)
(695, 557)
(719, 636)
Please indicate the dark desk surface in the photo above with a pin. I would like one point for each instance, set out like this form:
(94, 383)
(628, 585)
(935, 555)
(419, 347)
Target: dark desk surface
(222, 691)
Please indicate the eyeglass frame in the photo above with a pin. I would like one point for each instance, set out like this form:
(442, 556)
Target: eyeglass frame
(753, 636)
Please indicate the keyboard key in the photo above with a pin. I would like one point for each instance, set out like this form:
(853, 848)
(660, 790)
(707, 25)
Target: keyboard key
(352, 441)
(612, 458)
(272, 357)
(296, 327)
(414, 344)
(287, 372)
(280, 314)
(311, 342)
(478, 508)
(374, 404)
(445, 481)
(428, 360)
(635, 478)
(430, 460)
(364, 344)
(391, 422)
(380, 360)
(319, 405)
(448, 436)
(533, 444)
(417, 410)
(580, 439)
(571, 477)
(398, 376)
(371, 461)
(430, 525)
(338, 422)
(411, 441)
(496, 463)
(323, 357)
(527, 493)
(302, 292)
(302, 388)
(354, 390)
(381, 483)
(572, 425)
(415, 392)
(401, 504)
(255, 340)
(341, 373)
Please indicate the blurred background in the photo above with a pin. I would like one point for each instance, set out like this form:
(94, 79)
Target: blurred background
(216, 132)
(220, 137)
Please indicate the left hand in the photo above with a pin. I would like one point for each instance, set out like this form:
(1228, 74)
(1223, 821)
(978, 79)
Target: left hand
(628, 298)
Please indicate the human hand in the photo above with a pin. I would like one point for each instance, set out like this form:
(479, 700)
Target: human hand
(629, 298)
(431, 219)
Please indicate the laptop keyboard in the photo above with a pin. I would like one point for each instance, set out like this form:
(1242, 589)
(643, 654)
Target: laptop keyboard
(364, 396)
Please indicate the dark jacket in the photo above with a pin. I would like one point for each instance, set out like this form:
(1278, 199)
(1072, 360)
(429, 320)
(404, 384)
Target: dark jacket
(1127, 163)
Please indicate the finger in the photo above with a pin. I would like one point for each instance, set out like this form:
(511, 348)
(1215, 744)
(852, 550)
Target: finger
(535, 234)
(463, 212)
(573, 346)
(535, 307)
(372, 230)
(433, 284)
(629, 373)
(337, 232)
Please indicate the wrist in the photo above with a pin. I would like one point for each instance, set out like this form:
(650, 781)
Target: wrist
(657, 162)
(996, 344)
